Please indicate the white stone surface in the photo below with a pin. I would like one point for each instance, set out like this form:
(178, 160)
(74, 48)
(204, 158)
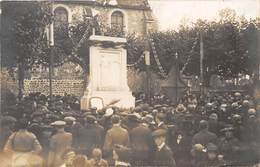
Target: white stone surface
(107, 38)
(108, 75)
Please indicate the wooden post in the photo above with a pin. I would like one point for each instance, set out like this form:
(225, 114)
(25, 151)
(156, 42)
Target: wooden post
(201, 63)
(176, 77)
(51, 44)
(148, 74)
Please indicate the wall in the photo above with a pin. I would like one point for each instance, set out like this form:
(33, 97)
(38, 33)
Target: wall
(73, 87)
(136, 83)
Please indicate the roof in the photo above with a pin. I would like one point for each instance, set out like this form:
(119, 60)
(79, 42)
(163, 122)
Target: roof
(127, 4)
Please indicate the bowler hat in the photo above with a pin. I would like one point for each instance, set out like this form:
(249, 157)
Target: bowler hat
(251, 111)
(69, 119)
(159, 133)
(237, 94)
(8, 119)
(58, 123)
(149, 119)
(135, 117)
(230, 128)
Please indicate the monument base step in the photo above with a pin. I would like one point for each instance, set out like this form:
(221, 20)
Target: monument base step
(124, 98)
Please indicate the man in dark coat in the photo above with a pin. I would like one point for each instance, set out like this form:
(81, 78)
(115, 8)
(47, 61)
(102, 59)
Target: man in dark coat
(204, 136)
(23, 140)
(141, 144)
(115, 137)
(229, 145)
(214, 125)
(69, 123)
(163, 155)
(91, 136)
(105, 121)
(6, 129)
(160, 121)
(59, 143)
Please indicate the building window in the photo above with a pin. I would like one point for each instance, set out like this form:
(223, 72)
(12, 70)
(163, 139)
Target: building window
(117, 20)
(60, 18)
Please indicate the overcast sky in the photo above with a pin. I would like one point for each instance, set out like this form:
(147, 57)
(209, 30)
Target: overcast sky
(170, 13)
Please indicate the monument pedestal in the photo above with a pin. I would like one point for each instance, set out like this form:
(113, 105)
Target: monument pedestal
(126, 98)
(108, 73)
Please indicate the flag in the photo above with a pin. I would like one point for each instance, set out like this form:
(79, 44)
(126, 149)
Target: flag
(94, 12)
(112, 2)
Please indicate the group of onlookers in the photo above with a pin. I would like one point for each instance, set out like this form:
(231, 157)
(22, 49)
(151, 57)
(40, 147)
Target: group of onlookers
(217, 129)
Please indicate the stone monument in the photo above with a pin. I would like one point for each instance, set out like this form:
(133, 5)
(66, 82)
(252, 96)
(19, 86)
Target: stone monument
(108, 73)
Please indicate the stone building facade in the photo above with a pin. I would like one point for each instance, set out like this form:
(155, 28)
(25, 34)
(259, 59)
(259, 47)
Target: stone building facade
(133, 16)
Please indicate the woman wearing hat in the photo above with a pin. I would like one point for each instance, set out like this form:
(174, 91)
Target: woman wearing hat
(213, 159)
(163, 155)
(229, 145)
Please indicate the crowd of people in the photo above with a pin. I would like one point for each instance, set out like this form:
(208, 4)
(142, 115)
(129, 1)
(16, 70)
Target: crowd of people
(217, 129)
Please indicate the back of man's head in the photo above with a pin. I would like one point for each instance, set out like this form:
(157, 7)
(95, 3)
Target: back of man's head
(115, 119)
(22, 124)
(203, 124)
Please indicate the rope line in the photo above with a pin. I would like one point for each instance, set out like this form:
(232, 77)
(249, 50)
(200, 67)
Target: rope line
(157, 60)
(137, 62)
(190, 55)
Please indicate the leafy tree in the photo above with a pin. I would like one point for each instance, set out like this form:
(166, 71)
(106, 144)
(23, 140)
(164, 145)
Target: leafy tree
(230, 46)
(25, 43)
(250, 36)
(23, 40)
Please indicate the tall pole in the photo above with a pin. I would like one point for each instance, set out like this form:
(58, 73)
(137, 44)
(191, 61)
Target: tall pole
(176, 77)
(147, 59)
(148, 74)
(51, 44)
(201, 64)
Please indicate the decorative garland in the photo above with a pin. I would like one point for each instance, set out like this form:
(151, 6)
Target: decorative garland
(75, 49)
(157, 60)
(137, 62)
(141, 58)
(190, 55)
(107, 44)
(82, 40)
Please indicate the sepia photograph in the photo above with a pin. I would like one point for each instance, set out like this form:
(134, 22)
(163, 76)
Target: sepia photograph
(130, 83)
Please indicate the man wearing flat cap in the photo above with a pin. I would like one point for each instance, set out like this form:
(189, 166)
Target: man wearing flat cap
(160, 117)
(105, 121)
(163, 155)
(198, 155)
(204, 136)
(69, 123)
(141, 144)
(212, 156)
(91, 136)
(59, 143)
(229, 145)
(214, 125)
(116, 136)
(149, 120)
